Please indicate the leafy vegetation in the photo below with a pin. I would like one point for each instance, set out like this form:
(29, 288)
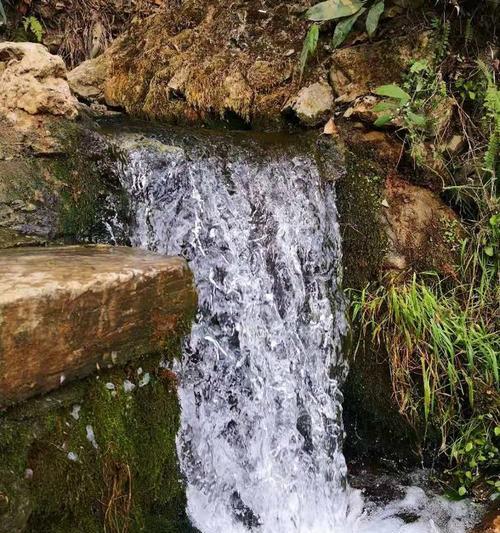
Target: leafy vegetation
(346, 13)
(33, 25)
(443, 345)
(397, 104)
(441, 332)
(310, 44)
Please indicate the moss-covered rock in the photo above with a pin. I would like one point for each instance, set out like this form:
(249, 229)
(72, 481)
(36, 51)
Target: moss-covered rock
(96, 455)
(73, 195)
(93, 206)
(197, 61)
(373, 424)
(390, 228)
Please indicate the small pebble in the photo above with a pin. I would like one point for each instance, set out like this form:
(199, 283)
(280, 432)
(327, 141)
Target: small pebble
(91, 436)
(128, 386)
(75, 412)
(145, 380)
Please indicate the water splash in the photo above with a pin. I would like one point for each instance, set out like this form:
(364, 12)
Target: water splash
(261, 429)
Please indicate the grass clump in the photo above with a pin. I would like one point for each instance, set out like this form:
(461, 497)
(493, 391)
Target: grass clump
(441, 330)
(443, 342)
(442, 338)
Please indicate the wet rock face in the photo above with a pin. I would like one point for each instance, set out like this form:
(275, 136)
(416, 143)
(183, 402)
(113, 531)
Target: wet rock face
(69, 458)
(74, 195)
(43, 171)
(26, 207)
(66, 311)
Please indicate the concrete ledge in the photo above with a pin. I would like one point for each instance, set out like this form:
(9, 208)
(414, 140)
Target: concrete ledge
(65, 312)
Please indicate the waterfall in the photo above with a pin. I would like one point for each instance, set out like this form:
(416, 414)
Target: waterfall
(260, 443)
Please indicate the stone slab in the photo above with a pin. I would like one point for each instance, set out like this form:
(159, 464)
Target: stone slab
(67, 311)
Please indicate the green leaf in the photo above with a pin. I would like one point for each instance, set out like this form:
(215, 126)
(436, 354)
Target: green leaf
(333, 9)
(32, 24)
(489, 251)
(417, 120)
(384, 106)
(3, 16)
(497, 431)
(393, 91)
(344, 27)
(382, 121)
(469, 446)
(419, 66)
(462, 491)
(309, 46)
(373, 17)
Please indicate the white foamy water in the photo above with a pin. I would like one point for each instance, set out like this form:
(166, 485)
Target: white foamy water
(260, 443)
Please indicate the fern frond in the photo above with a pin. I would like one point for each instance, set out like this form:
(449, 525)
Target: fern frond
(33, 25)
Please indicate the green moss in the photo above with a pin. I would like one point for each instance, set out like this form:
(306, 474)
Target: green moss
(359, 203)
(374, 427)
(90, 191)
(132, 479)
(73, 195)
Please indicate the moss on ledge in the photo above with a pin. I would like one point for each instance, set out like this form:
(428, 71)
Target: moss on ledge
(374, 427)
(55, 479)
(71, 194)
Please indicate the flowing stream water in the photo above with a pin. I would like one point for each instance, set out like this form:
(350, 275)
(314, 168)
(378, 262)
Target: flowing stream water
(260, 443)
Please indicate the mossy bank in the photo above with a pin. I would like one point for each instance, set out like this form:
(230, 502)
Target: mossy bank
(96, 455)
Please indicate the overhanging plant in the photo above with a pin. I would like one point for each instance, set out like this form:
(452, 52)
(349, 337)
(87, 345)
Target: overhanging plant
(346, 12)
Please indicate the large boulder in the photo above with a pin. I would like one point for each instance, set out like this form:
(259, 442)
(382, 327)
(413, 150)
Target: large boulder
(66, 311)
(422, 232)
(34, 81)
(200, 61)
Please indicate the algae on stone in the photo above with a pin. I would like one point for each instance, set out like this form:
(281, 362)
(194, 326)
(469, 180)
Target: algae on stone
(55, 480)
(73, 196)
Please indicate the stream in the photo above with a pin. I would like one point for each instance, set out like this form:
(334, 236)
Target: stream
(260, 444)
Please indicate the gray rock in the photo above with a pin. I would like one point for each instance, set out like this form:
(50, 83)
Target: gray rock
(313, 104)
(87, 79)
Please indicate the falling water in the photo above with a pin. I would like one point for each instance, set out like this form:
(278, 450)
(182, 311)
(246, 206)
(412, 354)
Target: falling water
(261, 429)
